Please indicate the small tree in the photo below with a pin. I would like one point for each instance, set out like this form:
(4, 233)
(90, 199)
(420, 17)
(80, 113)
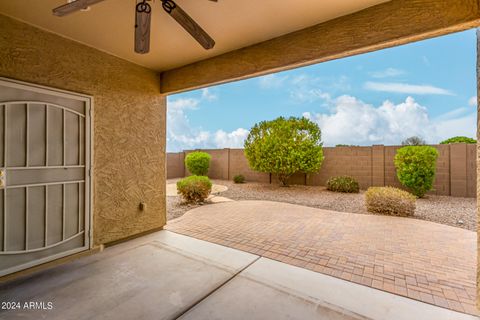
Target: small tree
(413, 141)
(285, 146)
(459, 140)
(416, 168)
(198, 163)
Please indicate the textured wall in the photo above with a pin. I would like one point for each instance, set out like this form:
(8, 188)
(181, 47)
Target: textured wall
(370, 166)
(128, 121)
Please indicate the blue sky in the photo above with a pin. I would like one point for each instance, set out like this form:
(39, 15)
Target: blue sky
(426, 88)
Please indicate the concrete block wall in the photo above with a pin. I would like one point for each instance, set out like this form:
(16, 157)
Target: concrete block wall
(458, 170)
(471, 170)
(378, 165)
(442, 175)
(238, 164)
(351, 161)
(370, 166)
(218, 164)
(175, 165)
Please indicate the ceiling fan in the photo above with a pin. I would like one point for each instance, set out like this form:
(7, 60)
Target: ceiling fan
(143, 11)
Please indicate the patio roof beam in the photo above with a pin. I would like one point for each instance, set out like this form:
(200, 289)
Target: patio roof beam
(385, 25)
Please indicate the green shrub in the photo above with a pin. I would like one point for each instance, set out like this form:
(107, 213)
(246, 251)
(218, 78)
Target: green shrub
(343, 184)
(194, 188)
(389, 200)
(416, 168)
(284, 147)
(459, 140)
(198, 163)
(239, 178)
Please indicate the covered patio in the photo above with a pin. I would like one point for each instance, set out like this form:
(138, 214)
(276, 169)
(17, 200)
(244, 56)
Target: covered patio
(169, 276)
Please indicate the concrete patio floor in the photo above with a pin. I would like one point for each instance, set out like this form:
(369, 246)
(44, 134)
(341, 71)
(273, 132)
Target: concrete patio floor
(422, 260)
(168, 276)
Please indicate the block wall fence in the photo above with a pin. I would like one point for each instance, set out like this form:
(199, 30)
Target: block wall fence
(370, 166)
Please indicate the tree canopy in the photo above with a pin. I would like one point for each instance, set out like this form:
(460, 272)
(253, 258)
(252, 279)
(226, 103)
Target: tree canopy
(285, 146)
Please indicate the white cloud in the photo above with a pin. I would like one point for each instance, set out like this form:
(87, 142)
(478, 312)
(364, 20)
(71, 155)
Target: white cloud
(234, 139)
(207, 95)
(463, 126)
(389, 72)
(183, 104)
(472, 101)
(272, 81)
(405, 88)
(179, 133)
(353, 121)
(301, 95)
(453, 114)
(182, 136)
(307, 89)
(304, 88)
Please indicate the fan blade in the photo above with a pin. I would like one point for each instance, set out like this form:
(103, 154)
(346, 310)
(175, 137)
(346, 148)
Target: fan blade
(73, 7)
(142, 30)
(189, 25)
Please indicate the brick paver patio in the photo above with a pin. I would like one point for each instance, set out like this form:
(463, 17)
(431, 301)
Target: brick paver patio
(422, 260)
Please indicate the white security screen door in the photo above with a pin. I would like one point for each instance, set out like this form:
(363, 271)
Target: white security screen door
(44, 174)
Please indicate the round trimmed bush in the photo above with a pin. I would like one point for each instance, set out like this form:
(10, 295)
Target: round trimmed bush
(459, 140)
(285, 146)
(194, 188)
(390, 200)
(343, 184)
(416, 168)
(198, 163)
(239, 178)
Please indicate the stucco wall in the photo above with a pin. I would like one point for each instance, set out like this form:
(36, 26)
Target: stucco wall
(370, 166)
(128, 122)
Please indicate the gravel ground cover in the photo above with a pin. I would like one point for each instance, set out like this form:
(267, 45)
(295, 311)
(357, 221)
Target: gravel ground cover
(457, 212)
(176, 207)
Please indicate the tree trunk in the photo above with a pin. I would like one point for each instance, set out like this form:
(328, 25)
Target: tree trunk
(284, 179)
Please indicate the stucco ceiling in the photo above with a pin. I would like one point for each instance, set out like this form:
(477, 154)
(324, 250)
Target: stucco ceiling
(234, 24)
